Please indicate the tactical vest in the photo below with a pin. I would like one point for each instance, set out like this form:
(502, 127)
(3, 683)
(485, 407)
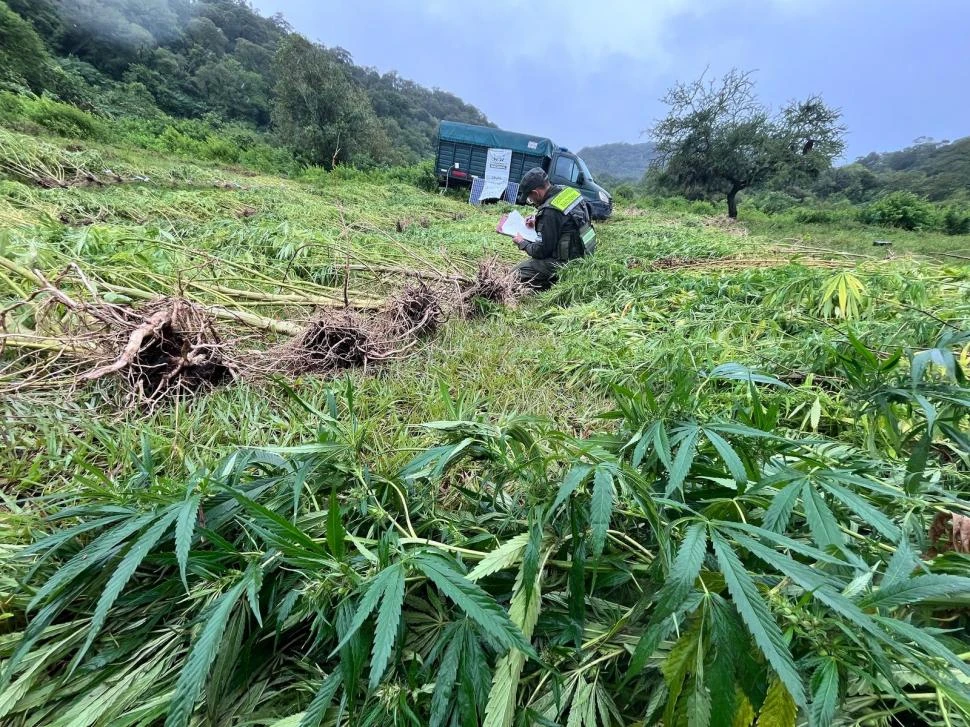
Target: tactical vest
(579, 238)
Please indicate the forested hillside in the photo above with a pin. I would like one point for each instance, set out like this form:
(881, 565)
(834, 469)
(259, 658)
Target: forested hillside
(219, 60)
(937, 170)
(619, 161)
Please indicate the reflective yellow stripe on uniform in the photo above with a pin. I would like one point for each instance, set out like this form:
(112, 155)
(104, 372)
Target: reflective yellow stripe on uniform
(565, 200)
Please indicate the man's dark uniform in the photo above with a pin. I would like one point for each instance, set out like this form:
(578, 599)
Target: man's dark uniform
(565, 233)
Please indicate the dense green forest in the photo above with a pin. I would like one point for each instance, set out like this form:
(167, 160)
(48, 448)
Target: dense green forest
(220, 61)
(937, 170)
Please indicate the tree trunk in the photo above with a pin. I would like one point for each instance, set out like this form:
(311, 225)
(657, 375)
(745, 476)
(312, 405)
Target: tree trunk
(732, 200)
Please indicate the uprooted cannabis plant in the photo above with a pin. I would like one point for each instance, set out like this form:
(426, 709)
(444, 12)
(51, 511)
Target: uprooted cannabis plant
(704, 562)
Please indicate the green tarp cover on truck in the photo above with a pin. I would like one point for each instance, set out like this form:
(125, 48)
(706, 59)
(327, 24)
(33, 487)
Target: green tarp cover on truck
(495, 138)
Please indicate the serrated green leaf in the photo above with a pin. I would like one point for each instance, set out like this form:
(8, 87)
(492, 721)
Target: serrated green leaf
(683, 461)
(579, 706)
(779, 709)
(756, 616)
(477, 604)
(930, 645)
(739, 372)
(779, 511)
(684, 570)
(813, 583)
(728, 455)
(825, 528)
(729, 641)
(368, 602)
(255, 583)
(858, 584)
(122, 574)
(574, 478)
(699, 706)
(864, 510)
(825, 693)
(203, 651)
(815, 414)
(917, 589)
(676, 666)
(523, 613)
(661, 445)
(388, 619)
(678, 584)
(335, 528)
(504, 556)
(184, 531)
(532, 553)
(91, 557)
(901, 565)
(785, 542)
(745, 714)
(282, 528)
(446, 676)
(643, 445)
(51, 543)
(601, 509)
(313, 717)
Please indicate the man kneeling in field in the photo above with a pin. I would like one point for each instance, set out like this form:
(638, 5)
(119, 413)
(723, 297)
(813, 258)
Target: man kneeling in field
(562, 220)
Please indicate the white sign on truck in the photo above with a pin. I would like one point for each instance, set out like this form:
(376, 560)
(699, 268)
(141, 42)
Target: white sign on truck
(497, 168)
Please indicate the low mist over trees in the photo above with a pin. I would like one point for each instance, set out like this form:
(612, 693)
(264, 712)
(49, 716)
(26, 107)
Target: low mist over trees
(220, 59)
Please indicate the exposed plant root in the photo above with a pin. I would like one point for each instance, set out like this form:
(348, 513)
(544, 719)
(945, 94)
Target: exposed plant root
(170, 348)
(415, 311)
(494, 282)
(332, 341)
(131, 350)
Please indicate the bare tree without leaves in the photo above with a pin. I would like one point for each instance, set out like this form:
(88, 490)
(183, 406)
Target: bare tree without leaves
(718, 138)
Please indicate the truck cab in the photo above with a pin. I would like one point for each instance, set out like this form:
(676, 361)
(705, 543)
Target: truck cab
(567, 169)
(463, 152)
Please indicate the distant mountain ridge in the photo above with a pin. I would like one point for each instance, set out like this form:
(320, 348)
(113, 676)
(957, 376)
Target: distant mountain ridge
(619, 160)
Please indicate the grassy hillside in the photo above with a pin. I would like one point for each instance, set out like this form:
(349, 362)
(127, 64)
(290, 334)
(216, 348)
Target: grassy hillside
(717, 475)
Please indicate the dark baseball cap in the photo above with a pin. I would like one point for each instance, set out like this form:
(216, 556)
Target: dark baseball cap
(531, 181)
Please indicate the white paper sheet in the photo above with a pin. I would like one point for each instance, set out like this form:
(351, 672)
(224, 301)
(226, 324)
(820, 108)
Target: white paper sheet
(513, 224)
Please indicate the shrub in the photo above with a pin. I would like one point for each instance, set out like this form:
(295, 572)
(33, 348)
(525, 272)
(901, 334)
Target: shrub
(774, 202)
(27, 112)
(956, 221)
(900, 209)
(64, 119)
(817, 215)
(421, 175)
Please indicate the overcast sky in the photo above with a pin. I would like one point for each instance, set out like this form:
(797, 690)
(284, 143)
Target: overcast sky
(593, 72)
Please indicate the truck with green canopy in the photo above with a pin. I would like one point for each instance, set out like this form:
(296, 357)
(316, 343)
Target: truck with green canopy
(463, 152)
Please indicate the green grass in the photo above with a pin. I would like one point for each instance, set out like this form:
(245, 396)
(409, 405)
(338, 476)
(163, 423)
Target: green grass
(693, 483)
(854, 237)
